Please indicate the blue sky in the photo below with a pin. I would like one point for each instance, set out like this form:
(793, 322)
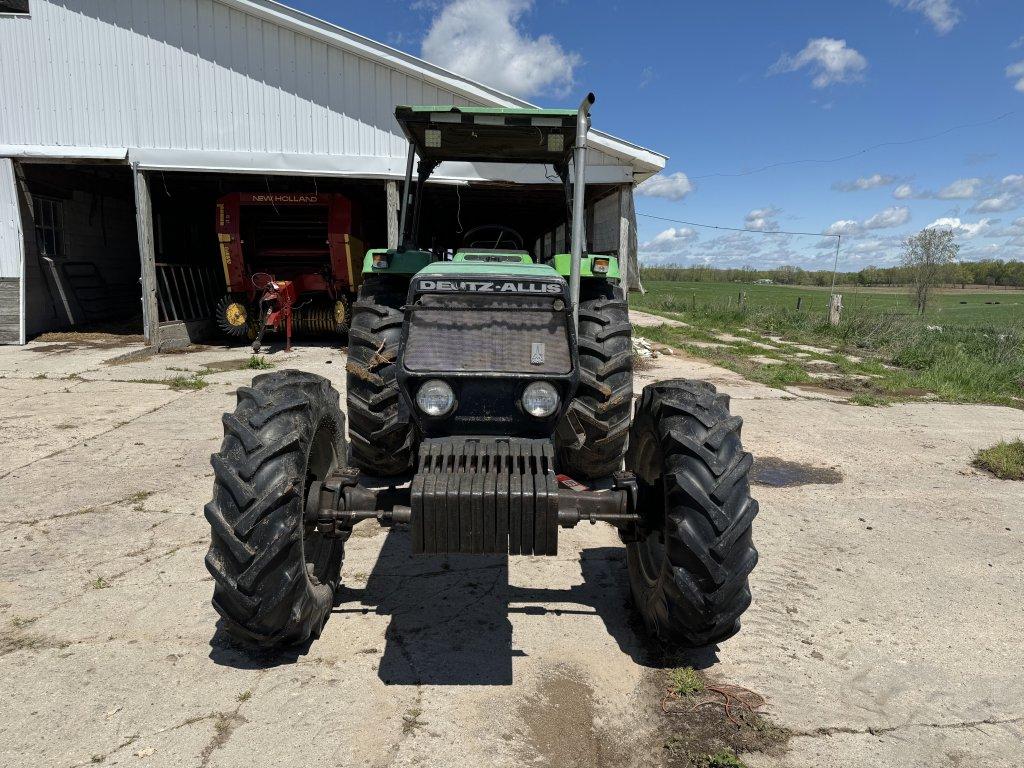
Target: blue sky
(729, 87)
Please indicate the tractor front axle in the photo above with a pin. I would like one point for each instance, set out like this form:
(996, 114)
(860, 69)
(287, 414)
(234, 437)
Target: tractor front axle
(473, 496)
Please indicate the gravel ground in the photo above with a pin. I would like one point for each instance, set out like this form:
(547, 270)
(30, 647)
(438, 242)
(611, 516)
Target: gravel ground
(885, 629)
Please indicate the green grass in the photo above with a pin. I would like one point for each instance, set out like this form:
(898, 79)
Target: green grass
(185, 383)
(725, 758)
(996, 307)
(1005, 460)
(258, 363)
(685, 681)
(900, 357)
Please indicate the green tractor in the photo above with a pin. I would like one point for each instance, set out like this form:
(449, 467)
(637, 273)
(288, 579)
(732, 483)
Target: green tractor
(490, 404)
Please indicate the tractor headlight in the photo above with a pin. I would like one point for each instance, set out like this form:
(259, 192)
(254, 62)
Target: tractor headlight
(380, 260)
(540, 399)
(599, 266)
(435, 398)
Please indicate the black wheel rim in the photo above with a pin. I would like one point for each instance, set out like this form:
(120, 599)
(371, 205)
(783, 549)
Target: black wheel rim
(317, 550)
(651, 549)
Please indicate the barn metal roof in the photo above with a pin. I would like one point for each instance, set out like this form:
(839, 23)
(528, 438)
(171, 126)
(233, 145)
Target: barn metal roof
(646, 162)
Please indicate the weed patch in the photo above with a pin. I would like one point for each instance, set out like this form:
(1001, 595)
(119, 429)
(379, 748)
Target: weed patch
(186, 383)
(1005, 460)
(258, 363)
(707, 724)
(685, 681)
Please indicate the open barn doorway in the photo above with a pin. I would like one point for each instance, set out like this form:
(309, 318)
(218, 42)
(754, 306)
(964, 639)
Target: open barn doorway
(82, 264)
(214, 233)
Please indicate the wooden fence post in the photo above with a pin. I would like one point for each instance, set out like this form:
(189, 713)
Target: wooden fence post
(835, 309)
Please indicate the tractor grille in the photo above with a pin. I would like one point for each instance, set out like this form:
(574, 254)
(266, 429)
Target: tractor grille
(487, 334)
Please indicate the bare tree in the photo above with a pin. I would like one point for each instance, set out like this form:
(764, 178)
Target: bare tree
(927, 254)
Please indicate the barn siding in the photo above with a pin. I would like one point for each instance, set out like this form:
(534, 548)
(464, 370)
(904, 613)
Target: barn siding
(10, 256)
(10, 222)
(197, 76)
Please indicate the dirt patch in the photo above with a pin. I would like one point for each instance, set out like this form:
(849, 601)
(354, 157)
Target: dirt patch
(17, 639)
(560, 726)
(714, 723)
(221, 366)
(779, 473)
(72, 340)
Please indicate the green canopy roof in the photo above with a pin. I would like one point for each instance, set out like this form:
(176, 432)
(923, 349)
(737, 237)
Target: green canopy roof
(489, 134)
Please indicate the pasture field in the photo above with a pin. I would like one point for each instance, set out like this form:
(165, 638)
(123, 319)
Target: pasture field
(977, 306)
(969, 347)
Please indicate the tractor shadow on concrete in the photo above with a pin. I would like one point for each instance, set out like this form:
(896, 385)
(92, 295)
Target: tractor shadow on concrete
(450, 615)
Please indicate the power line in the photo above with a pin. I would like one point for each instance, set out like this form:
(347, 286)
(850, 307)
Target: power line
(839, 238)
(859, 152)
(733, 229)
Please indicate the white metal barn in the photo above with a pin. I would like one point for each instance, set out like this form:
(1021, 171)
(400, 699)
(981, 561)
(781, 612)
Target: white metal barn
(123, 121)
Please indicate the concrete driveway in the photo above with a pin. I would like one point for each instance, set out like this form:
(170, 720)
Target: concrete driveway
(885, 631)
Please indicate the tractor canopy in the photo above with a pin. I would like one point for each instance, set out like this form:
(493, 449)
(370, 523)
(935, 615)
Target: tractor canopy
(487, 134)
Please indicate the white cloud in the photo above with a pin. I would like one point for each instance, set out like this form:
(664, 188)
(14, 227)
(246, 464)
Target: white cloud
(674, 186)
(865, 182)
(646, 76)
(961, 189)
(483, 39)
(829, 59)
(903, 191)
(762, 219)
(890, 217)
(962, 228)
(1014, 181)
(894, 216)
(1016, 72)
(942, 14)
(1018, 43)
(996, 204)
(669, 240)
(843, 227)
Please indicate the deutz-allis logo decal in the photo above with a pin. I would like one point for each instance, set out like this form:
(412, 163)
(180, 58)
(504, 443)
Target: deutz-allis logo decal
(486, 286)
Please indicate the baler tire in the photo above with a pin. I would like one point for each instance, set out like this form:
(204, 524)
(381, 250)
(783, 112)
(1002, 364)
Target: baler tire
(604, 397)
(382, 436)
(221, 316)
(342, 306)
(689, 574)
(274, 575)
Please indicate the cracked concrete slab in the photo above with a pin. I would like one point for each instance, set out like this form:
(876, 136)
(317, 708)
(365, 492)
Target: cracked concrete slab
(884, 630)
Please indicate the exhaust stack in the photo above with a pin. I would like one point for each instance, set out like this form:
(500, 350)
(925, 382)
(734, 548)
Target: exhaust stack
(579, 161)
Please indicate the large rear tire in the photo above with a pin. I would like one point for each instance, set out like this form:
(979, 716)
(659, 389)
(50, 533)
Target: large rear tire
(604, 399)
(689, 570)
(382, 434)
(274, 575)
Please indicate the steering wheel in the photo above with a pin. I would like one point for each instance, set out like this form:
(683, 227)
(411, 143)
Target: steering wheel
(501, 233)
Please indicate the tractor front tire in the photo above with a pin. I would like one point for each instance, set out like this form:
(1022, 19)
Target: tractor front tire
(274, 575)
(601, 409)
(689, 567)
(382, 435)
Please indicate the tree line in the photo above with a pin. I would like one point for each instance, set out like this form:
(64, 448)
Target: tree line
(994, 272)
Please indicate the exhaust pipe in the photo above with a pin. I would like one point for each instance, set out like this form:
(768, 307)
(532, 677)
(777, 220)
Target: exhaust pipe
(579, 187)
